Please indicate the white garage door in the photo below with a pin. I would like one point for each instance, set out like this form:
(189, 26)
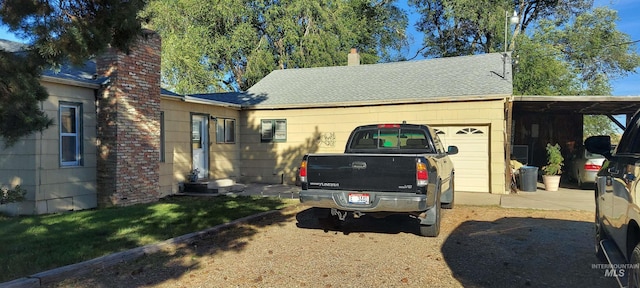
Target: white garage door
(472, 161)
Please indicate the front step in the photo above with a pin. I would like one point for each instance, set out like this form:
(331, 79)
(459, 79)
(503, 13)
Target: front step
(198, 187)
(213, 186)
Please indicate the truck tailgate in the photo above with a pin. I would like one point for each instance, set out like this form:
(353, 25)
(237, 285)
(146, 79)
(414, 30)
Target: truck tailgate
(362, 172)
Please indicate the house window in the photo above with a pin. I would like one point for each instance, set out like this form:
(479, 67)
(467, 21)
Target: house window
(70, 134)
(273, 130)
(162, 144)
(225, 130)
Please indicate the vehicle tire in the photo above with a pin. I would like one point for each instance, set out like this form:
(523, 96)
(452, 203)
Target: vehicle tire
(433, 230)
(453, 197)
(600, 235)
(633, 272)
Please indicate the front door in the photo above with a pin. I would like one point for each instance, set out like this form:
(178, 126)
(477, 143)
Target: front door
(200, 144)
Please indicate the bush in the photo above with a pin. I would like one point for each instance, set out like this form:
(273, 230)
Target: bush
(12, 195)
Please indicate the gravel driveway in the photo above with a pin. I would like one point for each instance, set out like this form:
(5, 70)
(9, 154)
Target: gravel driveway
(478, 247)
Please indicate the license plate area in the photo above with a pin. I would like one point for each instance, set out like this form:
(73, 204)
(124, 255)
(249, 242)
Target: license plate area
(359, 198)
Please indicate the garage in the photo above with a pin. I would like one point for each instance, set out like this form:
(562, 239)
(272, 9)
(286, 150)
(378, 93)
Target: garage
(472, 161)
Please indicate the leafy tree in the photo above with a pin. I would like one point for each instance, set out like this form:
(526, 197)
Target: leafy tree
(465, 27)
(578, 58)
(56, 31)
(594, 125)
(226, 45)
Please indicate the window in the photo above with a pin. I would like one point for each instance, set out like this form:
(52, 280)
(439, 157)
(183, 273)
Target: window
(273, 130)
(70, 133)
(225, 130)
(162, 160)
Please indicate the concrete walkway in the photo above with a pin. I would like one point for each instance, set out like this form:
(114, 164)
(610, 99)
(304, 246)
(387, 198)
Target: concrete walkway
(566, 198)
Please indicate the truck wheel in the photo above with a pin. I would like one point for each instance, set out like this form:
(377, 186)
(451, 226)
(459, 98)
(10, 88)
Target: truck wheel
(433, 230)
(634, 270)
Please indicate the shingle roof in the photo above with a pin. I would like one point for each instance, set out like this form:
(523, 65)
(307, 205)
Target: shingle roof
(11, 46)
(466, 76)
(85, 73)
(421, 80)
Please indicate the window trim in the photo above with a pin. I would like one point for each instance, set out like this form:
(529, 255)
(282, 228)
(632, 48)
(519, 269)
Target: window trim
(162, 138)
(225, 130)
(78, 134)
(270, 131)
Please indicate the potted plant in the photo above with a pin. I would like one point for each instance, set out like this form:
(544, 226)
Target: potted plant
(193, 175)
(551, 172)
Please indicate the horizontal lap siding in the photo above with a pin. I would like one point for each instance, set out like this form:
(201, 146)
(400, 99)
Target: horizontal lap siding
(326, 131)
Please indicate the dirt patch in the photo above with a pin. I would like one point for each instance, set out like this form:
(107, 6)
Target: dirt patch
(477, 247)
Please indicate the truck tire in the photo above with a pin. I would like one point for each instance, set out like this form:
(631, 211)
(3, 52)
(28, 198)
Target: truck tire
(433, 230)
(634, 269)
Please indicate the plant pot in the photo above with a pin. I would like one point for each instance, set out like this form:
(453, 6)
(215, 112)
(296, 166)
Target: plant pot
(551, 182)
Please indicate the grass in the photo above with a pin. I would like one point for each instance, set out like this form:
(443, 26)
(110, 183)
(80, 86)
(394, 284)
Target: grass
(32, 244)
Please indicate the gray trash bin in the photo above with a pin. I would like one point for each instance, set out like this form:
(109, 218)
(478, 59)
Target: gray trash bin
(528, 178)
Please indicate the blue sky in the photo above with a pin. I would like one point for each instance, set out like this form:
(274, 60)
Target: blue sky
(628, 11)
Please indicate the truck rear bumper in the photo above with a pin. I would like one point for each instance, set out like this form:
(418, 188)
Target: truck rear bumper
(378, 201)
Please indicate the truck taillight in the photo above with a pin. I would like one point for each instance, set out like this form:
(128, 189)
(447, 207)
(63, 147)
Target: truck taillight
(422, 177)
(303, 171)
(388, 125)
(592, 167)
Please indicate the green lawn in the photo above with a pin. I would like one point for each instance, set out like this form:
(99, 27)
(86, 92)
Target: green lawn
(32, 244)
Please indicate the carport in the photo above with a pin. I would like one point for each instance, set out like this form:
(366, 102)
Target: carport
(534, 121)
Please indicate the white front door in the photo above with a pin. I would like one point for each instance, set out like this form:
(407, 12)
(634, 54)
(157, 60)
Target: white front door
(200, 144)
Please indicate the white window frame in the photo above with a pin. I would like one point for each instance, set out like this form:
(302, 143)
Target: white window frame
(77, 134)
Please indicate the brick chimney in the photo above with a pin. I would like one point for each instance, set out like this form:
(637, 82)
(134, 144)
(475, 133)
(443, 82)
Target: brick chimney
(353, 59)
(128, 124)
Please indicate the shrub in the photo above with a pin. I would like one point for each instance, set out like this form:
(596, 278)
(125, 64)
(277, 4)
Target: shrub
(12, 195)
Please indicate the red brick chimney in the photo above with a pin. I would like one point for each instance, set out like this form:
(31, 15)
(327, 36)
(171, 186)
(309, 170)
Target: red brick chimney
(128, 122)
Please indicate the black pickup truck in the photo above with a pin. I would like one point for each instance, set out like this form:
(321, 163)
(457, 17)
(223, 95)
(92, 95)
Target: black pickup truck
(385, 169)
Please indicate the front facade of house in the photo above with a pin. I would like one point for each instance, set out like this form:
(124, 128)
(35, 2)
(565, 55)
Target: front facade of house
(119, 139)
(479, 136)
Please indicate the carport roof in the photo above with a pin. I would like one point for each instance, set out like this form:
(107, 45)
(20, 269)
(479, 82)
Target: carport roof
(593, 105)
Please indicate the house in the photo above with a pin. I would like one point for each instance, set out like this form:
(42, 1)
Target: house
(119, 139)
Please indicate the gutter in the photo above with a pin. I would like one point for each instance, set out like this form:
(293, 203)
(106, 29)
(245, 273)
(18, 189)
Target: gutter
(70, 82)
(190, 99)
(471, 98)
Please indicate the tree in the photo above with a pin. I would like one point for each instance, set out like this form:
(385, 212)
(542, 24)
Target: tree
(594, 125)
(57, 31)
(578, 58)
(227, 45)
(466, 27)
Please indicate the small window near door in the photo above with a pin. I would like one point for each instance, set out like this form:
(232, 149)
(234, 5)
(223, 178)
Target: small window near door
(70, 119)
(273, 130)
(225, 130)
